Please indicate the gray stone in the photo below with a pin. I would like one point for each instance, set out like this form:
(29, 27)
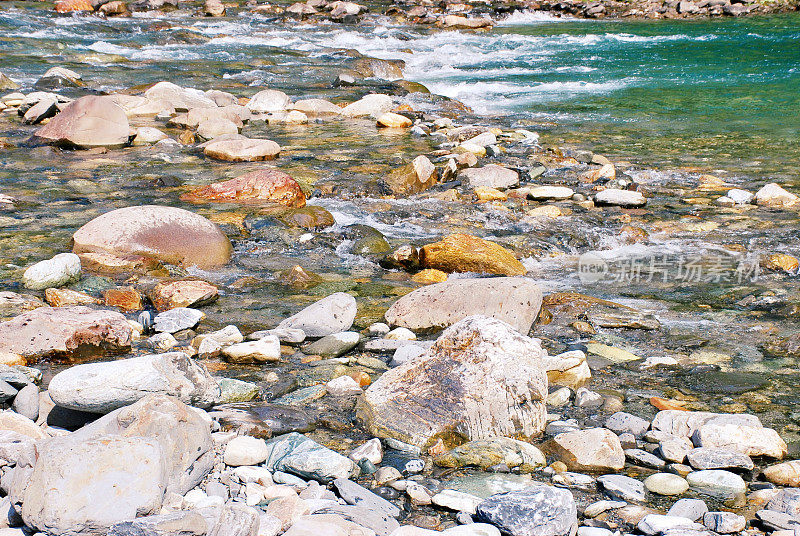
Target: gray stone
(236, 520)
(539, 510)
(491, 176)
(709, 458)
(724, 522)
(7, 391)
(717, 483)
(778, 520)
(63, 269)
(357, 495)
(594, 450)
(297, 454)
(330, 315)
(654, 524)
(26, 402)
(666, 484)
(496, 386)
(621, 422)
(621, 198)
(177, 319)
(623, 487)
(674, 449)
(685, 423)
(186, 523)
(333, 345)
(644, 459)
(91, 121)
(514, 300)
(786, 501)
(105, 386)
(691, 509)
(382, 524)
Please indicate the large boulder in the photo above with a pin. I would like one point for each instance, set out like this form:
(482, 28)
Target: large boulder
(114, 469)
(263, 185)
(514, 300)
(104, 387)
(82, 487)
(539, 510)
(481, 379)
(467, 253)
(90, 121)
(65, 332)
(167, 234)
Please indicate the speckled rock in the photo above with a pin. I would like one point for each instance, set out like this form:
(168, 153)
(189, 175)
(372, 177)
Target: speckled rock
(535, 511)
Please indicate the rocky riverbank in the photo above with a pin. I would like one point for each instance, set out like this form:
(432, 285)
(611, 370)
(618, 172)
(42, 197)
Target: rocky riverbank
(198, 339)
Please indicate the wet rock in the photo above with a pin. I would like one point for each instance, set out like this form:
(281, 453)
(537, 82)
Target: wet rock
(373, 104)
(179, 98)
(87, 122)
(772, 195)
(485, 453)
(104, 387)
(63, 269)
(752, 441)
(620, 198)
(717, 483)
(296, 454)
(780, 262)
(535, 511)
(623, 487)
(784, 474)
(330, 315)
(308, 217)
(267, 185)
(711, 458)
(245, 450)
(483, 399)
(185, 523)
(64, 332)
(393, 120)
(168, 234)
(357, 495)
(513, 300)
(466, 253)
(178, 319)
(596, 449)
(491, 176)
(691, 509)
(666, 484)
(333, 345)
(261, 351)
(242, 150)
(264, 419)
(267, 101)
(412, 178)
(185, 293)
(233, 391)
(124, 298)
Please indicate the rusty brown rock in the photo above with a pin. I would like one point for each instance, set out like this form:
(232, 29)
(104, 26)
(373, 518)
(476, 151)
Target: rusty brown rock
(61, 297)
(125, 298)
(467, 253)
(69, 6)
(270, 185)
(65, 332)
(185, 293)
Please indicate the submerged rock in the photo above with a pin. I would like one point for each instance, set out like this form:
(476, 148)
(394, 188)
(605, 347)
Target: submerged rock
(88, 122)
(481, 379)
(264, 419)
(485, 453)
(104, 387)
(168, 234)
(263, 185)
(467, 253)
(65, 332)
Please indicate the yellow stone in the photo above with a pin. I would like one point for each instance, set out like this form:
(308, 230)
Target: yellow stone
(486, 193)
(393, 120)
(780, 261)
(467, 253)
(429, 276)
(545, 211)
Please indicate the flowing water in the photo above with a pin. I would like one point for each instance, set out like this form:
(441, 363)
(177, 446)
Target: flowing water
(675, 100)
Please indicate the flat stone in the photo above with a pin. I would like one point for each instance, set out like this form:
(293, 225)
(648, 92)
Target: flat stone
(333, 345)
(539, 510)
(666, 484)
(91, 121)
(245, 450)
(467, 253)
(179, 98)
(784, 474)
(332, 314)
(457, 501)
(686, 423)
(177, 319)
(654, 524)
(491, 176)
(242, 150)
(644, 459)
(514, 300)
(374, 104)
(485, 453)
(253, 188)
(786, 501)
(621, 198)
(267, 349)
(544, 193)
(691, 509)
(372, 450)
(409, 404)
(621, 422)
(724, 522)
(748, 440)
(184, 293)
(623, 487)
(299, 455)
(594, 450)
(105, 386)
(773, 195)
(710, 458)
(186, 523)
(357, 495)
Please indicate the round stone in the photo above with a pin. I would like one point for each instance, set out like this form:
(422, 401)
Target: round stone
(666, 484)
(717, 483)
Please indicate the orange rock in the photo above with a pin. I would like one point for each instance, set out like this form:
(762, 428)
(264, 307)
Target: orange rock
(59, 297)
(271, 185)
(467, 253)
(186, 137)
(125, 298)
(429, 276)
(115, 7)
(485, 193)
(780, 262)
(297, 277)
(68, 6)
(10, 358)
(665, 403)
(185, 293)
(362, 378)
(437, 448)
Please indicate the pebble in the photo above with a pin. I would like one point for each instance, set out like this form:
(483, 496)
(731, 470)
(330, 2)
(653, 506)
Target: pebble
(666, 484)
(717, 483)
